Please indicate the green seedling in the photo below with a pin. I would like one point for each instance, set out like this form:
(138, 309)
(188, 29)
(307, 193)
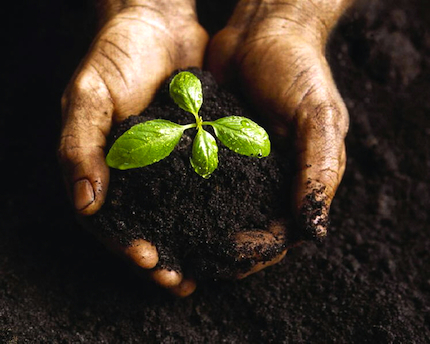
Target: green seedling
(152, 141)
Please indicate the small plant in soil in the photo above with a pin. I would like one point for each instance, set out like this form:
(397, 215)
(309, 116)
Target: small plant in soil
(154, 140)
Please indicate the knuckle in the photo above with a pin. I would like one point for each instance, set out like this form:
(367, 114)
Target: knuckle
(68, 150)
(82, 86)
(77, 95)
(328, 118)
(74, 148)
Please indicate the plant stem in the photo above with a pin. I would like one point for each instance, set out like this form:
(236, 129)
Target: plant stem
(189, 126)
(199, 121)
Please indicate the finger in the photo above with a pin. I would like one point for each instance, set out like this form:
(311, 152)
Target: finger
(262, 265)
(321, 126)
(256, 250)
(87, 112)
(174, 282)
(166, 278)
(321, 130)
(142, 253)
(254, 244)
(185, 288)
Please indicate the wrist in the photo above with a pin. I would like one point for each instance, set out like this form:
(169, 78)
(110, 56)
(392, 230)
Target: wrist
(311, 20)
(107, 9)
(320, 16)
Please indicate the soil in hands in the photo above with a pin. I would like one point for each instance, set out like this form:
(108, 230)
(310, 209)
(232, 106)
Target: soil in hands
(191, 220)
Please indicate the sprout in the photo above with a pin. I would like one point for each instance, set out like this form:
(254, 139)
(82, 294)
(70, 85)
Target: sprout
(152, 141)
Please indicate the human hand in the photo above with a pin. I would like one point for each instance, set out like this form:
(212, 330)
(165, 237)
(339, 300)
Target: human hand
(138, 46)
(274, 51)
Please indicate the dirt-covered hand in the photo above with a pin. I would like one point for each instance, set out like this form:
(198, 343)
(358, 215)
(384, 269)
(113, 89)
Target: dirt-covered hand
(274, 51)
(139, 45)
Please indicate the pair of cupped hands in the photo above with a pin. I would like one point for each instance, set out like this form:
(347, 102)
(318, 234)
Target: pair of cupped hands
(272, 51)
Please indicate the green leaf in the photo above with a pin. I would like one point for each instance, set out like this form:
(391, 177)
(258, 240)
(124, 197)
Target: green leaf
(186, 91)
(144, 144)
(204, 157)
(242, 136)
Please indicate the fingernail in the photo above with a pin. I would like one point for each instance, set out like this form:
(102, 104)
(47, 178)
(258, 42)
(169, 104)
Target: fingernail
(83, 194)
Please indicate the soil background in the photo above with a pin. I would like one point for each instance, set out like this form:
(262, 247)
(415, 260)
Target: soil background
(368, 282)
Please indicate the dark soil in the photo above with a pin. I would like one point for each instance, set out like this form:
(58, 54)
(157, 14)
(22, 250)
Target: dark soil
(191, 220)
(368, 282)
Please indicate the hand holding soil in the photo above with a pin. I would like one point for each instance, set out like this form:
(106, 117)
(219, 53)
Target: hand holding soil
(275, 53)
(135, 50)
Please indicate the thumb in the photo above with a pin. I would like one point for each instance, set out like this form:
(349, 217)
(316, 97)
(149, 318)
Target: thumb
(322, 123)
(316, 184)
(87, 117)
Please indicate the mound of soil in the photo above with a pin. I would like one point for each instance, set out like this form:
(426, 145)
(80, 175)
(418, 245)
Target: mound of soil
(191, 220)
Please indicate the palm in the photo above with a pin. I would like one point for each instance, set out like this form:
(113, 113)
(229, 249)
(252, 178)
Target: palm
(292, 82)
(129, 59)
